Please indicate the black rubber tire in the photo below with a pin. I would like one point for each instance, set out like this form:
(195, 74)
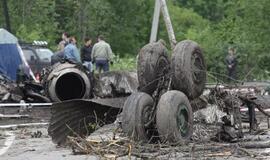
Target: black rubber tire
(152, 62)
(133, 116)
(189, 69)
(173, 108)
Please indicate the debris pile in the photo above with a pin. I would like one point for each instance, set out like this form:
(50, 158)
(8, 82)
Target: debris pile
(28, 91)
(6, 86)
(215, 127)
(109, 93)
(115, 84)
(109, 142)
(65, 81)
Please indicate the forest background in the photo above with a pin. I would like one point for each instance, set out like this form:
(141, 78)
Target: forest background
(214, 24)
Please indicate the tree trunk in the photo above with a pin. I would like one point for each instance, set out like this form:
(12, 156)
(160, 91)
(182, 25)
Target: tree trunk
(5, 10)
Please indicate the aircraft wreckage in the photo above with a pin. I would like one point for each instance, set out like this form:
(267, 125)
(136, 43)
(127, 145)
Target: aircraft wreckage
(101, 100)
(151, 103)
(156, 102)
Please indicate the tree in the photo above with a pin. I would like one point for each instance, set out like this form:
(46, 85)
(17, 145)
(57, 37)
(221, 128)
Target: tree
(215, 25)
(212, 10)
(33, 20)
(6, 14)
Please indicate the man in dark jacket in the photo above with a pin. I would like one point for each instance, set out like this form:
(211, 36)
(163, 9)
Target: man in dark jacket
(86, 54)
(231, 62)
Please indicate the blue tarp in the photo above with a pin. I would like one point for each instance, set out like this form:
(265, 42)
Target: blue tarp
(9, 60)
(10, 57)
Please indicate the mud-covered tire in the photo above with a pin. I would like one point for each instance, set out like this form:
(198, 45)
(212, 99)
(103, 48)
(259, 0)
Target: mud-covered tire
(134, 113)
(174, 117)
(152, 62)
(189, 69)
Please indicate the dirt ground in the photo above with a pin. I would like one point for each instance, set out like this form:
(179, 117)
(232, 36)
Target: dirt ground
(26, 147)
(33, 143)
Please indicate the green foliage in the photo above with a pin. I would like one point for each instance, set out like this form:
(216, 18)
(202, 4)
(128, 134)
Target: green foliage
(212, 10)
(126, 25)
(264, 62)
(2, 18)
(237, 27)
(23, 32)
(33, 20)
(126, 63)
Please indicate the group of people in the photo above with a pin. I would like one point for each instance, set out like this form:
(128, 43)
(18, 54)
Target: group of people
(100, 54)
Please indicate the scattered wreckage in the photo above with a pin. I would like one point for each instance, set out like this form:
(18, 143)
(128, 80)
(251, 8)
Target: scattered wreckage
(217, 123)
(236, 106)
(148, 111)
(113, 92)
(154, 105)
(87, 98)
(161, 106)
(152, 97)
(73, 84)
(21, 91)
(141, 101)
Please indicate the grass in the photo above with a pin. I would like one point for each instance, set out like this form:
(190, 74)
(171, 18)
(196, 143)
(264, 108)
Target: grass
(124, 63)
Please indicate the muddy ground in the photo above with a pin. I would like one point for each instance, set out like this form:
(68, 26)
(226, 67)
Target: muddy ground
(27, 146)
(33, 142)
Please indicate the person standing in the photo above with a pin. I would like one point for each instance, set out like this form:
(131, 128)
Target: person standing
(86, 51)
(102, 55)
(65, 38)
(231, 62)
(57, 56)
(71, 52)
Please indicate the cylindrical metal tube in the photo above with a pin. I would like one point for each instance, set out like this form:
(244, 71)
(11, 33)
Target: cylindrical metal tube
(168, 23)
(67, 81)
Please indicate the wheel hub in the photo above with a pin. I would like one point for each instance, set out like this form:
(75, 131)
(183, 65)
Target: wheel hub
(182, 120)
(161, 67)
(147, 116)
(197, 68)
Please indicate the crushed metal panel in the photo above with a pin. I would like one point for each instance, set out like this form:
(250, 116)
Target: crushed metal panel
(110, 102)
(77, 116)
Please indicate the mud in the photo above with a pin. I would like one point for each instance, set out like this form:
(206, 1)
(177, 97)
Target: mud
(34, 142)
(27, 115)
(26, 147)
